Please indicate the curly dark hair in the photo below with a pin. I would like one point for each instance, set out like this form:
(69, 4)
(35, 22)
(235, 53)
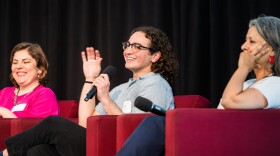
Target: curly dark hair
(167, 66)
(36, 52)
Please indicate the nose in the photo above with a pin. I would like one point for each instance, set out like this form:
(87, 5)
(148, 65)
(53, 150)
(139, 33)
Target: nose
(244, 46)
(19, 65)
(128, 50)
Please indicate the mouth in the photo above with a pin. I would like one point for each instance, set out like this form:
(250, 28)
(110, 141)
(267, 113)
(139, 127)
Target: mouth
(20, 74)
(130, 59)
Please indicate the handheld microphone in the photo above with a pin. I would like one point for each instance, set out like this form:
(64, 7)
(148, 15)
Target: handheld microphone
(147, 106)
(110, 71)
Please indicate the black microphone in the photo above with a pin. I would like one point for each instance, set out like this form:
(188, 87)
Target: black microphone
(147, 106)
(110, 71)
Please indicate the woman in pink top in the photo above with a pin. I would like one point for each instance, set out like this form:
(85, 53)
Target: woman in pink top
(29, 97)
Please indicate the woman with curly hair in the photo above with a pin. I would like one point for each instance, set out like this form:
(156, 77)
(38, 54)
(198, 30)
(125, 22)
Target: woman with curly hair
(167, 64)
(148, 54)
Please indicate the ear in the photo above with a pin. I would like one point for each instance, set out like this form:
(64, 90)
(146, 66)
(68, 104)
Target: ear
(39, 71)
(156, 56)
(271, 53)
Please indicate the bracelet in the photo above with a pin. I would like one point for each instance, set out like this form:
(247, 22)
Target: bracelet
(88, 82)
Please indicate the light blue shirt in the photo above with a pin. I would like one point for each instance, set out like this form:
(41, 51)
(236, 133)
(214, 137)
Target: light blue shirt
(151, 86)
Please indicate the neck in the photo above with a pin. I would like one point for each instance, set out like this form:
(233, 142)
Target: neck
(29, 88)
(137, 74)
(260, 74)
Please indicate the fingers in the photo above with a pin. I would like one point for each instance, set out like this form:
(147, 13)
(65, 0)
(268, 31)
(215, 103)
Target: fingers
(102, 81)
(83, 55)
(102, 78)
(90, 54)
(105, 77)
(262, 49)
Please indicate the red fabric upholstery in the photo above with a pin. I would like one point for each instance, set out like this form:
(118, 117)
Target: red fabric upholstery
(68, 108)
(101, 135)
(20, 124)
(5, 131)
(191, 101)
(10, 127)
(211, 132)
(126, 124)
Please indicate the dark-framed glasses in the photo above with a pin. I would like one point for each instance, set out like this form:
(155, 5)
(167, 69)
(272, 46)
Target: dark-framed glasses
(135, 47)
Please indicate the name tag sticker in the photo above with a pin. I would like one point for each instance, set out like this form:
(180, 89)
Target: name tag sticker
(19, 107)
(126, 107)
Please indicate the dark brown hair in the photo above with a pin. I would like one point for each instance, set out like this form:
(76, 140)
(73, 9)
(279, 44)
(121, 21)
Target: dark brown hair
(36, 52)
(167, 65)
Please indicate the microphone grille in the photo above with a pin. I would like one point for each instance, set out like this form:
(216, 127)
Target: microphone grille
(143, 104)
(110, 71)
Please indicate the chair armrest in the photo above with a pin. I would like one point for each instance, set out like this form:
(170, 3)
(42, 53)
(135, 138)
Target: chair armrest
(101, 135)
(126, 124)
(5, 131)
(20, 124)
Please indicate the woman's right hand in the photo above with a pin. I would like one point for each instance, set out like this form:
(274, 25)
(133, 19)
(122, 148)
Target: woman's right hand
(91, 63)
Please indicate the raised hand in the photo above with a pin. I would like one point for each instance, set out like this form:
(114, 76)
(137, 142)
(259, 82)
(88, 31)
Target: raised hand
(91, 63)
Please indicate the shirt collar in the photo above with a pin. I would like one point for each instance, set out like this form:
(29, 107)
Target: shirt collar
(148, 75)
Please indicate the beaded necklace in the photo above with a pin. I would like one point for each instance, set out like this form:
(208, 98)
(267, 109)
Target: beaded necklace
(15, 98)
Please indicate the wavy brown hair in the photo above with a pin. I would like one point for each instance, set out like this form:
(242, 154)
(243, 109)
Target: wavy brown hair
(36, 52)
(167, 65)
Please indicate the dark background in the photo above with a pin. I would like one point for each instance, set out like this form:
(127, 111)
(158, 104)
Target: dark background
(206, 36)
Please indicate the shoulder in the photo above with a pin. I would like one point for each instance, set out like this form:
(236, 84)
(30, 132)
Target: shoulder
(7, 89)
(155, 79)
(269, 82)
(42, 90)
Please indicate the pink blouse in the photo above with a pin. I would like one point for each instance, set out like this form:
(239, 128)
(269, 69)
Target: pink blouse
(41, 102)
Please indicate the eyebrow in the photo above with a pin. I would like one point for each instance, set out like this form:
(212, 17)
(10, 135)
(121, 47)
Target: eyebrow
(29, 59)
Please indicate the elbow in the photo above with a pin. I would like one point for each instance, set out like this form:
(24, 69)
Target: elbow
(229, 103)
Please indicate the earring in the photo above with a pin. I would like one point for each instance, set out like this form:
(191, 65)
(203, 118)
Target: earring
(271, 59)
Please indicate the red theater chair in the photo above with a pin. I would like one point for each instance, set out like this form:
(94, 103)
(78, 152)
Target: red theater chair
(216, 132)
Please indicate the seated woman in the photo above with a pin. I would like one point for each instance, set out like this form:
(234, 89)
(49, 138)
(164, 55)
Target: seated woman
(29, 97)
(260, 53)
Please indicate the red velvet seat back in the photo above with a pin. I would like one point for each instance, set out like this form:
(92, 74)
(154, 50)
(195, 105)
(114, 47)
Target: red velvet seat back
(68, 108)
(191, 101)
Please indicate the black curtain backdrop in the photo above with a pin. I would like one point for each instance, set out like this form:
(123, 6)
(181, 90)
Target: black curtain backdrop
(206, 36)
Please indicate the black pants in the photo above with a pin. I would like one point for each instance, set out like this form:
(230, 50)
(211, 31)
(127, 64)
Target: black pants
(53, 136)
(148, 139)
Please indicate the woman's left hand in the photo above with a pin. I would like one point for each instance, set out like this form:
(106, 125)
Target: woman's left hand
(249, 59)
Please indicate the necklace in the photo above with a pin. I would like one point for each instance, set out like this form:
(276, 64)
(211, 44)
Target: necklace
(15, 98)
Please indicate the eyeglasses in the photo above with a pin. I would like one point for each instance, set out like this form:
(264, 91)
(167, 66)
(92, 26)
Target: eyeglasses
(135, 47)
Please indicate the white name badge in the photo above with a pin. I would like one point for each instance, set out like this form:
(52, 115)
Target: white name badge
(19, 107)
(126, 107)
